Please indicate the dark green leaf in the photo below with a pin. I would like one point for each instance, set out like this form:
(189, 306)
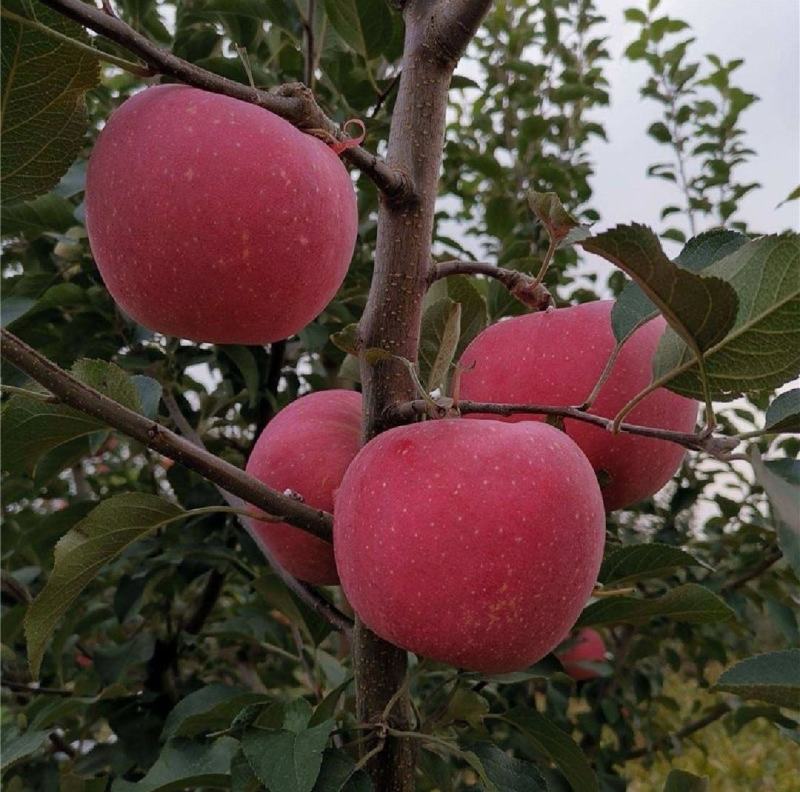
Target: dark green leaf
(287, 760)
(149, 393)
(211, 708)
(364, 24)
(552, 215)
(701, 309)
(44, 112)
(784, 495)
(507, 773)
(346, 339)
(773, 677)
(79, 555)
(16, 747)
(48, 212)
(557, 745)
(783, 414)
(337, 774)
(186, 764)
(633, 307)
(687, 603)
(762, 349)
(635, 562)
(32, 427)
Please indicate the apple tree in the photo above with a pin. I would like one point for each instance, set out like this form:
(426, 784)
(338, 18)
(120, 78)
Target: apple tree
(344, 446)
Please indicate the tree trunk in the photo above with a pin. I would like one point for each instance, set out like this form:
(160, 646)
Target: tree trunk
(433, 42)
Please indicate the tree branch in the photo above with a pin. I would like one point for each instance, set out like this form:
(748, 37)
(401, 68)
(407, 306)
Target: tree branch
(714, 714)
(452, 26)
(519, 284)
(87, 400)
(753, 573)
(293, 102)
(403, 412)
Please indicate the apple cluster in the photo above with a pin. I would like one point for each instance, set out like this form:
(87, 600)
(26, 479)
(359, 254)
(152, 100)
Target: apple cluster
(473, 541)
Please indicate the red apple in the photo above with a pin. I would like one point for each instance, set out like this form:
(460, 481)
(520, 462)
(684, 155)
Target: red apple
(216, 220)
(476, 543)
(306, 448)
(587, 646)
(556, 358)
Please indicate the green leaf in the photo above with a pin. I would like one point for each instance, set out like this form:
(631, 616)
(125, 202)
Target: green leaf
(506, 773)
(474, 310)
(346, 339)
(364, 24)
(12, 308)
(703, 250)
(792, 196)
(682, 781)
(44, 111)
(327, 707)
(441, 323)
(635, 15)
(113, 660)
(338, 774)
(467, 706)
(186, 764)
(440, 366)
(552, 215)
(148, 391)
(80, 554)
(762, 349)
(773, 677)
(48, 212)
(633, 308)
(32, 427)
(687, 603)
(635, 562)
(555, 743)
(208, 709)
(784, 495)
(245, 361)
(783, 414)
(659, 132)
(701, 309)
(16, 747)
(287, 760)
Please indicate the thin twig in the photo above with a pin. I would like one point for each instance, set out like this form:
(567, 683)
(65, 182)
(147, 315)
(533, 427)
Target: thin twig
(714, 714)
(33, 690)
(234, 480)
(293, 102)
(404, 412)
(753, 573)
(308, 27)
(524, 287)
(385, 94)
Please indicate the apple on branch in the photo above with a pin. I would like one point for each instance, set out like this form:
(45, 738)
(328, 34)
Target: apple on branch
(555, 358)
(475, 543)
(215, 220)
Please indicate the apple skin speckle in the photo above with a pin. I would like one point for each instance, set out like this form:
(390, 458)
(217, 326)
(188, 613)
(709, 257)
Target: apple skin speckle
(556, 358)
(464, 568)
(194, 229)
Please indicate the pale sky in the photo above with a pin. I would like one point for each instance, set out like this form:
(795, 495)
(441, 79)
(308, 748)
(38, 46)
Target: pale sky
(766, 33)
